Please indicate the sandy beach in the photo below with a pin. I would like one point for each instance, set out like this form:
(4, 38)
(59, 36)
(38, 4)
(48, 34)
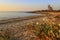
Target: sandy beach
(18, 26)
(23, 28)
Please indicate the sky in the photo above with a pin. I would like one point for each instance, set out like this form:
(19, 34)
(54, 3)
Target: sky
(28, 5)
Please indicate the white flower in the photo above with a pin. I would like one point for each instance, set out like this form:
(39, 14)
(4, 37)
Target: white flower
(37, 23)
(28, 23)
(59, 24)
(51, 31)
(44, 19)
(59, 30)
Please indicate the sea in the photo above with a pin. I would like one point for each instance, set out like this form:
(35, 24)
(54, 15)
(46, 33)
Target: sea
(7, 15)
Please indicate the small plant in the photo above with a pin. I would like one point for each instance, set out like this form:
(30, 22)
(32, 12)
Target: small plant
(47, 30)
(6, 36)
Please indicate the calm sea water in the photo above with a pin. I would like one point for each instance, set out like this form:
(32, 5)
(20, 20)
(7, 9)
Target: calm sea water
(4, 15)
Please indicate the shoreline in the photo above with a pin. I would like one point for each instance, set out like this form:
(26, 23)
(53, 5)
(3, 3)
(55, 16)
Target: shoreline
(27, 27)
(10, 20)
(19, 19)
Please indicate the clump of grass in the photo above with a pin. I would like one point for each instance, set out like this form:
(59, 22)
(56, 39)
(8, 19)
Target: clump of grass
(50, 30)
(5, 35)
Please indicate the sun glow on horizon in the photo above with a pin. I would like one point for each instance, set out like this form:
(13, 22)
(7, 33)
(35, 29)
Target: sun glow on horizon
(25, 5)
(17, 8)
